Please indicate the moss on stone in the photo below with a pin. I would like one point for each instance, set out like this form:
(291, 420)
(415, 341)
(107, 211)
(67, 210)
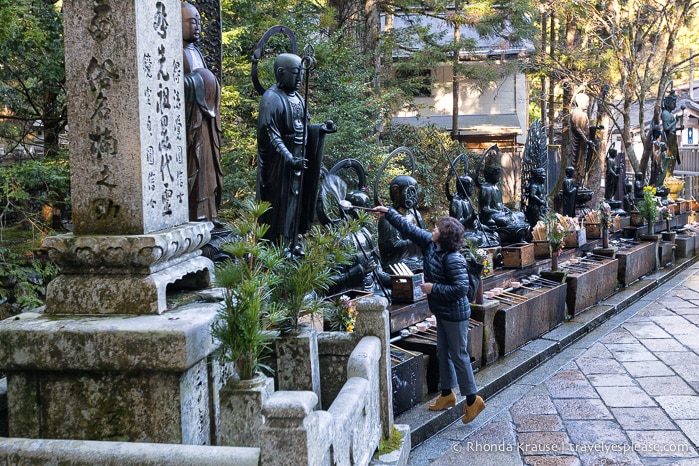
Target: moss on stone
(390, 444)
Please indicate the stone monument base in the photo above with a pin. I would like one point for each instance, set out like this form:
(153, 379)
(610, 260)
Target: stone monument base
(127, 274)
(125, 294)
(120, 378)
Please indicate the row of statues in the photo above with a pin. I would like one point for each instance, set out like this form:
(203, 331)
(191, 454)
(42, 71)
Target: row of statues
(289, 166)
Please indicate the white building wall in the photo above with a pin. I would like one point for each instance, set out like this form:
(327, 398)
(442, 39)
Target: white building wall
(508, 96)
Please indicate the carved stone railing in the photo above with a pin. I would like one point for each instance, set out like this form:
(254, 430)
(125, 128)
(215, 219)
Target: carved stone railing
(349, 432)
(83, 452)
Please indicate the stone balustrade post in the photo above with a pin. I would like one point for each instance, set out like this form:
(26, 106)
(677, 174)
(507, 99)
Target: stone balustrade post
(485, 313)
(293, 432)
(373, 320)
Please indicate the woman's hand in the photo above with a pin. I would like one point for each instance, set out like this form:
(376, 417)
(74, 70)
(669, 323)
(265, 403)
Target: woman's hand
(426, 287)
(380, 210)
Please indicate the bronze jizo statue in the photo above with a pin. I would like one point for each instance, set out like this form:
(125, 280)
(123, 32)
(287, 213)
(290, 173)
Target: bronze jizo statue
(511, 226)
(582, 138)
(659, 158)
(670, 129)
(629, 200)
(638, 184)
(364, 271)
(202, 97)
(392, 246)
(579, 134)
(289, 153)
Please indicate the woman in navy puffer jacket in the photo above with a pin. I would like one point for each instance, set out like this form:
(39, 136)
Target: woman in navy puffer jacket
(446, 287)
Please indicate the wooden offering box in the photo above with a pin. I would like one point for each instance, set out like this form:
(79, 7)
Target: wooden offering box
(593, 230)
(518, 255)
(635, 260)
(406, 288)
(576, 238)
(589, 282)
(404, 315)
(520, 320)
(541, 249)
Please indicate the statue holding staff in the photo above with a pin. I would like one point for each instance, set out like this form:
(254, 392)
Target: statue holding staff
(289, 152)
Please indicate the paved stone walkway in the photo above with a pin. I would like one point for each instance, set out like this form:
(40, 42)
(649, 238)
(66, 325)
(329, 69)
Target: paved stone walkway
(625, 394)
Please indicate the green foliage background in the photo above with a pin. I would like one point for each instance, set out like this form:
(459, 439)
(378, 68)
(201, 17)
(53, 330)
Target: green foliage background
(358, 82)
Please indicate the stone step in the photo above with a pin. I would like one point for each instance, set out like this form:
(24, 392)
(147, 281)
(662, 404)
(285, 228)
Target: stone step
(497, 376)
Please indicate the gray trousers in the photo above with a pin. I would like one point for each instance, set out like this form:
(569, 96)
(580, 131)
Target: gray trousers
(454, 361)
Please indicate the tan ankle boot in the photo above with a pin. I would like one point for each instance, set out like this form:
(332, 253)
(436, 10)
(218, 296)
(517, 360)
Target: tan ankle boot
(444, 402)
(470, 412)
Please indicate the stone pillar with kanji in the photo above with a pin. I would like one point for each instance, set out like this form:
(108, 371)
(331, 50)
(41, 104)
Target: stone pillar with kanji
(113, 356)
(131, 238)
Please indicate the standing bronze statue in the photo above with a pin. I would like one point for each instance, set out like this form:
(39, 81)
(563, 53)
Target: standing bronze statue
(670, 129)
(611, 177)
(289, 153)
(202, 97)
(638, 185)
(537, 203)
(659, 158)
(569, 193)
(579, 135)
(629, 199)
(583, 143)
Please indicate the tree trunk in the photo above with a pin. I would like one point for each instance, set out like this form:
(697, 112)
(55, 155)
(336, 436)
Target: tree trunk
(552, 77)
(53, 118)
(372, 27)
(455, 76)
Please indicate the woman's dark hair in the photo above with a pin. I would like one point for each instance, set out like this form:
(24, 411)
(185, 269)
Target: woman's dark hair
(451, 234)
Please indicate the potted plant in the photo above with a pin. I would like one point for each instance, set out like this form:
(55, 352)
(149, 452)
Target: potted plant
(247, 279)
(303, 278)
(242, 325)
(648, 206)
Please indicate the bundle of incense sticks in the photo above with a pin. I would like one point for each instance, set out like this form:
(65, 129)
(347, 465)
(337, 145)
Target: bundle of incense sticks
(539, 231)
(401, 269)
(592, 216)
